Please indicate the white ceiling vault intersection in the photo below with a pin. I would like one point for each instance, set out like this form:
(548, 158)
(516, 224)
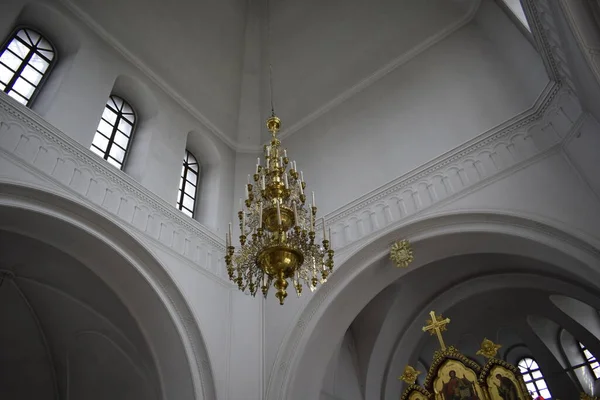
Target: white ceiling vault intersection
(323, 52)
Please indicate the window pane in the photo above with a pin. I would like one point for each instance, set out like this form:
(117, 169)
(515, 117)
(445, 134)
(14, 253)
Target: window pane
(24, 36)
(541, 384)
(45, 45)
(121, 140)
(192, 177)
(117, 153)
(24, 88)
(35, 38)
(101, 142)
(531, 387)
(109, 115)
(31, 75)
(526, 377)
(117, 103)
(545, 393)
(39, 63)
(17, 97)
(190, 190)
(125, 127)
(105, 128)
(18, 48)
(536, 374)
(188, 202)
(49, 54)
(186, 212)
(97, 151)
(5, 74)
(113, 162)
(10, 60)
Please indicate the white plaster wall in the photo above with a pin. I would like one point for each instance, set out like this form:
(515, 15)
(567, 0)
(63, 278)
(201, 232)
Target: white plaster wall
(583, 153)
(550, 189)
(450, 93)
(156, 155)
(231, 324)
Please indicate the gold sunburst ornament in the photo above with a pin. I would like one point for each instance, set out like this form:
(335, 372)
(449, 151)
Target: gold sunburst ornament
(488, 349)
(401, 253)
(409, 375)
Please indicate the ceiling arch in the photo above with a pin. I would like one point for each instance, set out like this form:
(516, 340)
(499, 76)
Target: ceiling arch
(365, 274)
(130, 270)
(491, 299)
(64, 315)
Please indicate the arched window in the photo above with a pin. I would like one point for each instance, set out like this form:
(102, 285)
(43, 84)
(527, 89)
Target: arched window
(188, 185)
(590, 360)
(534, 380)
(25, 62)
(114, 131)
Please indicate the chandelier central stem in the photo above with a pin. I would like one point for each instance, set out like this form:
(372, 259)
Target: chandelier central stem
(277, 228)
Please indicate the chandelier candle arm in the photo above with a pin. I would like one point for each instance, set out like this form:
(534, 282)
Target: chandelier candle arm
(277, 229)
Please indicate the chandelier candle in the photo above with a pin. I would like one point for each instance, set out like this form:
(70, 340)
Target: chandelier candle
(277, 229)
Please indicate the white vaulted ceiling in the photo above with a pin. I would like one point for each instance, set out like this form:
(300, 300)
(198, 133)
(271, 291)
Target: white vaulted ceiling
(323, 51)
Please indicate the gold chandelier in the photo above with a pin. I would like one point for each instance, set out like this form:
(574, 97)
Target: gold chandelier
(277, 240)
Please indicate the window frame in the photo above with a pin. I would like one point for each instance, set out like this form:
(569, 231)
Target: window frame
(534, 380)
(589, 361)
(51, 64)
(115, 129)
(183, 181)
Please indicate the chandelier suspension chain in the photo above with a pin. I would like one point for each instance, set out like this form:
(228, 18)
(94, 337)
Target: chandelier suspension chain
(269, 58)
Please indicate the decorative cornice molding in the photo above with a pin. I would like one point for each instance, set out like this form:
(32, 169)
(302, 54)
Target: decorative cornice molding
(480, 154)
(48, 151)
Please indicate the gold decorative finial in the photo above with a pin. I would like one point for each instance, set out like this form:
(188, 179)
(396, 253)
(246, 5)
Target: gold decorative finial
(409, 375)
(437, 325)
(488, 349)
(401, 253)
(273, 124)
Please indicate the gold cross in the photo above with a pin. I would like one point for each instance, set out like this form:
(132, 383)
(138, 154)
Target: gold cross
(437, 325)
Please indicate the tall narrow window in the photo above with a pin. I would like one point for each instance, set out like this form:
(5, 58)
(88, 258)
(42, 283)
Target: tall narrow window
(188, 185)
(113, 134)
(25, 62)
(590, 360)
(534, 380)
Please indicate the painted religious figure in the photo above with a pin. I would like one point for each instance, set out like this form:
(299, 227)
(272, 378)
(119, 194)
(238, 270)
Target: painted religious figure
(507, 388)
(459, 388)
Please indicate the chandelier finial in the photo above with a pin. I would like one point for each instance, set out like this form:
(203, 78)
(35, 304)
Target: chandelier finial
(273, 124)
